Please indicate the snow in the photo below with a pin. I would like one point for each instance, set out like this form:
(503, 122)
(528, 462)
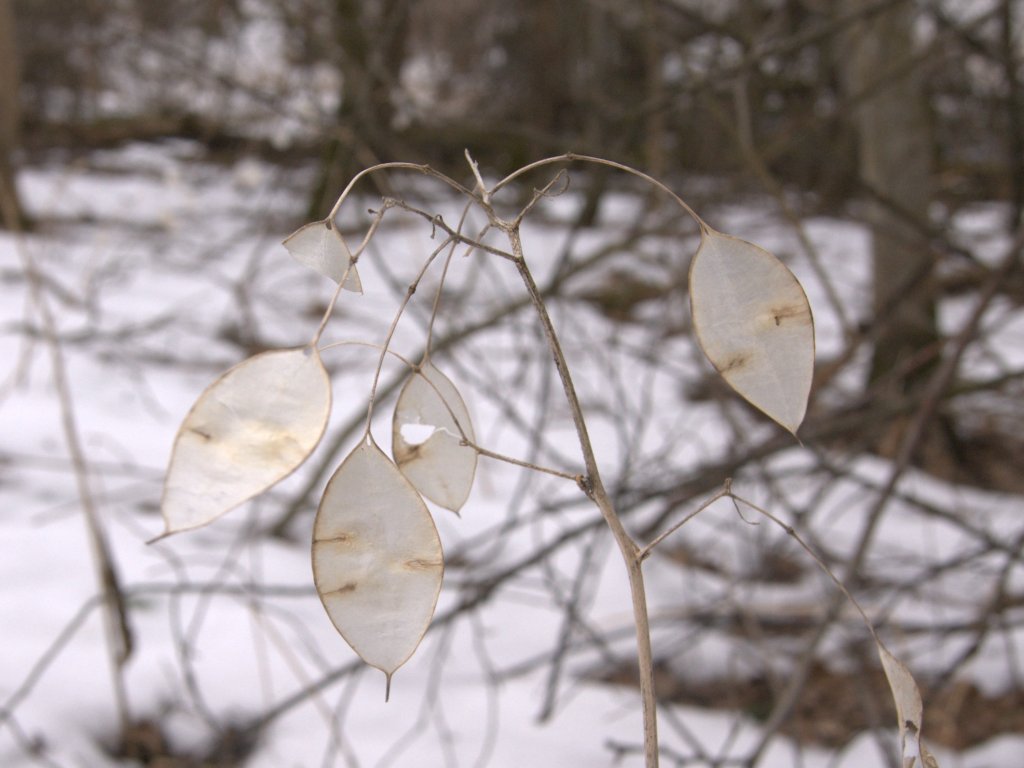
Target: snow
(158, 263)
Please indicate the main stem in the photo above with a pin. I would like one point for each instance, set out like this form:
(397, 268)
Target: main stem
(594, 488)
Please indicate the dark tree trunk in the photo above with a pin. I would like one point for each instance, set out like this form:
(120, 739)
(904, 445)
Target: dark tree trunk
(1014, 114)
(895, 164)
(10, 118)
(895, 156)
(371, 47)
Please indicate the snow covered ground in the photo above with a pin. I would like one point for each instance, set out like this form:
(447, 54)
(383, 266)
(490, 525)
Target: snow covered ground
(162, 270)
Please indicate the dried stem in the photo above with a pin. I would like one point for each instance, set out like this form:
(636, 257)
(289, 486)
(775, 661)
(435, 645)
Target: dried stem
(646, 551)
(520, 462)
(444, 274)
(424, 169)
(571, 157)
(394, 325)
(593, 487)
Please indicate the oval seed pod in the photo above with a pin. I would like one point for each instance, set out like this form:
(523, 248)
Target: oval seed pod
(320, 246)
(251, 428)
(754, 323)
(438, 466)
(909, 710)
(377, 559)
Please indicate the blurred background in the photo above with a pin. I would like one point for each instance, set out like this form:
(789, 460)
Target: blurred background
(757, 93)
(877, 146)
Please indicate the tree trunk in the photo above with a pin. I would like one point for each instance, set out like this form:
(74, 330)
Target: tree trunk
(1014, 113)
(895, 159)
(10, 118)
(895, 167)
(371, 51)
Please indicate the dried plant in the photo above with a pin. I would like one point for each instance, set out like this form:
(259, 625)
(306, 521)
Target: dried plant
(376, 554)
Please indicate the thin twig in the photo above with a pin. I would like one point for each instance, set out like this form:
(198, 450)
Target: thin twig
(577, 478)
(593, 487)
(726, 491)
(394, 326)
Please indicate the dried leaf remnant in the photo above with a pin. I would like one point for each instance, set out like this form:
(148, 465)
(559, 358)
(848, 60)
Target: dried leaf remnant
(250, 429)
(754, 323)
(320, 246)
(377, 558)
(440, 466)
